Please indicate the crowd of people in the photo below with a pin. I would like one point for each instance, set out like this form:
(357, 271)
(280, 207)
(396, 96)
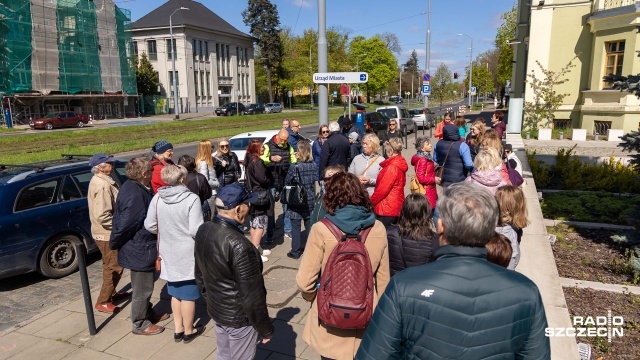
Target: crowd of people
(388, 275)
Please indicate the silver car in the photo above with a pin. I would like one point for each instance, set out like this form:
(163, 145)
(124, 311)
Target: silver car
(273, 108)
(424, 119)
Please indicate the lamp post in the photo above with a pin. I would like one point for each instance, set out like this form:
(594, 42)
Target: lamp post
(470, 66)
(173, 63)
(311, 75)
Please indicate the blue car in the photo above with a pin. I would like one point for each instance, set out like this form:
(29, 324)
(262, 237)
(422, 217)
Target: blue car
(43, 213)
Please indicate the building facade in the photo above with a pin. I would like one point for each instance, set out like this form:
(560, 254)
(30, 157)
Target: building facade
(214, 61)
(601, 37)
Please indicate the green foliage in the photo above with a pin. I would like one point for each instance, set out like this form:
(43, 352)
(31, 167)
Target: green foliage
(541, 111)
(441, 84)
(540, 171)
(506, 32)
(482, 79)
(631, 143)
(146, 76)
(411, 66)
(379, 63)
(599, 207)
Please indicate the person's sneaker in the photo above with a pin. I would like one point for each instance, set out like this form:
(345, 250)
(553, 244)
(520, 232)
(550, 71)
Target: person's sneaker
(291, 256)
(151, 330)
(266, 252)
(288, 234)
(107, 308)
(264, 258)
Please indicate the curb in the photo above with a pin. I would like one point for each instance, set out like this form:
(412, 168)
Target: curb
(583, 284)
(587, 225)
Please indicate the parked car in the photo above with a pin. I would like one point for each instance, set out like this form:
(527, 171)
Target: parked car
(273, 108)
(400, 114)
(395, 99)
(423, 117)
(374, 122)
(59, 119)
(254, 109)
(232, 108)
(44, 213)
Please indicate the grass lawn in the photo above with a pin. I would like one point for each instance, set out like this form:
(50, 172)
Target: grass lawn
(49, 145)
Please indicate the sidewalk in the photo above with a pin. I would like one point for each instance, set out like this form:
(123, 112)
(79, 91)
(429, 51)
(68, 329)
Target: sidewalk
(62, 333)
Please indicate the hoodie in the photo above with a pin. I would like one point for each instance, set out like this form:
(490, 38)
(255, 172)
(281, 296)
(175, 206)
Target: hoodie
(459, 162)
(388, 195)
(490, 179)
(352, 219)
(180, 213)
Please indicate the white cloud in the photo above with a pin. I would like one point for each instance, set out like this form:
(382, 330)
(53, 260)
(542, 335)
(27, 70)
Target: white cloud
(304, 3)
(415, 29)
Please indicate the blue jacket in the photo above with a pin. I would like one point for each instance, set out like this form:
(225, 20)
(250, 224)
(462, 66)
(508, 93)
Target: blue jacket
(136, 246)
(459, 307)
(315, 152)
(456, 167)
(293, 139)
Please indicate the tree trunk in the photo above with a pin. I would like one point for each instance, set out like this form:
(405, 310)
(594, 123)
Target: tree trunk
(269, 84)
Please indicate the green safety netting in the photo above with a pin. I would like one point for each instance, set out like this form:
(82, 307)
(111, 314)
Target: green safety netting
(15, 46)
(125, 47)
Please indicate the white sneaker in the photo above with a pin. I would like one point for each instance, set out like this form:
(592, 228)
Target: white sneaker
(264, 258)
(266, 252)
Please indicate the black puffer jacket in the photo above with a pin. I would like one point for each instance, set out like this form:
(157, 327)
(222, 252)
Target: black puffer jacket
(335, 151)
(458, 307)
(227, 174)
(257, 177)
(228, 271)
(136, 246)
(406, 252)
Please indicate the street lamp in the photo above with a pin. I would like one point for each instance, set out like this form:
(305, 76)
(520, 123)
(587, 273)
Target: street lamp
(470, 66)
(173, 62)
(310, 75)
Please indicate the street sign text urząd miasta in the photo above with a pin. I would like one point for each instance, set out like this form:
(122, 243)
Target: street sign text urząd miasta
(340, 78)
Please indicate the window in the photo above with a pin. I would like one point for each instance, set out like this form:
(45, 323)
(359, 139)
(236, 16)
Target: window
(37, 195)
(228, 61)
(135, 49)
(218, 58)
(171, 81)
(69, 190)
(206, 50)
(200, 50)
(82, 180)
(208, 84)
(202, 84)
(195, 81)
(193, 46)
(152, 50)
(614, 59)
(169, 50)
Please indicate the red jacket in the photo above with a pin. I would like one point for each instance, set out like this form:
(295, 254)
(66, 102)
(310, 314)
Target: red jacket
(157, 165)
(425, 172)
(388, 196)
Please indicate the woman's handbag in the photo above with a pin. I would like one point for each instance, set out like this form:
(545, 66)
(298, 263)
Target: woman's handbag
(295, 194)
(415, 186)
(514, 177)
(263, 194)
(158, 258)
(440, 169)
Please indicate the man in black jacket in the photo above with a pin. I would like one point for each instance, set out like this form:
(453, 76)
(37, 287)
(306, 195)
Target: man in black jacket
(459, 306)
(228, 271)
(336, 148)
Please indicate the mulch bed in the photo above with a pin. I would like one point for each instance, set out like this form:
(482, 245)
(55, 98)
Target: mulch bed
(589, 302)
(590, 254)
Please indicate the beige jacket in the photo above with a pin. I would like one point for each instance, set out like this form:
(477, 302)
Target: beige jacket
(101, 196)
(327, 341)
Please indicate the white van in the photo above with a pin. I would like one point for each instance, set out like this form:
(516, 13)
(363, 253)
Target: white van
(401, 115)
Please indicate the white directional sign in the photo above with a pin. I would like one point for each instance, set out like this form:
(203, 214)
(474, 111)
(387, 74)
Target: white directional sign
(340, 78)
(473, 91)
(426, 89)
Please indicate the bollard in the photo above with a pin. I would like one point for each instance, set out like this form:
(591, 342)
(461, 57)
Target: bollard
(86, 291)
(561, 136)
(528, 135)
(595, 137)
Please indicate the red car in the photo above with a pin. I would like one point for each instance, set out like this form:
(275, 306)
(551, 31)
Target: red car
(59, 119)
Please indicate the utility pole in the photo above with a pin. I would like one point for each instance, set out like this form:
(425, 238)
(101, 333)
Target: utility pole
(173, 61)
(311, 76)
(323, 101)
(428, 59)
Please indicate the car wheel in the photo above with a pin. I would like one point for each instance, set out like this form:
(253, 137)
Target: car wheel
(80, 124)
(59, 258)
(48, 126)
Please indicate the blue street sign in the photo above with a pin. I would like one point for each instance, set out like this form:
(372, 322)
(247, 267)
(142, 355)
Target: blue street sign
(426, 77)
(363, 77)
(426, 89)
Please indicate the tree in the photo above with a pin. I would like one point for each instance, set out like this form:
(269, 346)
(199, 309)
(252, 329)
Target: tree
(264, 24)
(545, 99)
(441, 84)
(631, 141)
(379, 62)
(146, 76)
(411, 66)
(506, 32)
(482, 79)
(392, 42)
(492, 58)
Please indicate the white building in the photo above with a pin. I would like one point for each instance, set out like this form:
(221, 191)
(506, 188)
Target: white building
(214, 60)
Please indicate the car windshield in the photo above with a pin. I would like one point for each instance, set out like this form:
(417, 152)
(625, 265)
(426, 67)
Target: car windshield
(390, 113)
(51, 116)
(241, 144)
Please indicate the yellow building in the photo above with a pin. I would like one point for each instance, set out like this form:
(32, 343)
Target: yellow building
(603, 37)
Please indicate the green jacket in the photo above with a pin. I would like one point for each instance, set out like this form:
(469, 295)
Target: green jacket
(458, 307)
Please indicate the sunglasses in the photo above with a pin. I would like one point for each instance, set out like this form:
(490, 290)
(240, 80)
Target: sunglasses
(325, 131)
(394, 124)
(224, 146)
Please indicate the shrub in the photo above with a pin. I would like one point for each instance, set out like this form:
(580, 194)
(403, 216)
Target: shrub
(598, 207)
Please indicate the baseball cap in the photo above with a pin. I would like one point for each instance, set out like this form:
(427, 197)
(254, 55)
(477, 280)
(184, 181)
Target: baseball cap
(233, 195)
(100, 158)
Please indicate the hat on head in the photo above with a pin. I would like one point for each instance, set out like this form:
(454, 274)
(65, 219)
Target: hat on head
(100, 158)
(161, 146)
(353, 136)
(346, 121)
(233, 195)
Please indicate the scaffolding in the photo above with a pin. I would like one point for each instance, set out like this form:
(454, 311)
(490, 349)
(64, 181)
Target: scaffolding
(71, 47)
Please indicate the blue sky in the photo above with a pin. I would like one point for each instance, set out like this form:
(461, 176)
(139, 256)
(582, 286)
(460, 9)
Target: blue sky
(476, 18)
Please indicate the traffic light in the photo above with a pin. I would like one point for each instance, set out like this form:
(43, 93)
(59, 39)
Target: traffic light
(455, 75)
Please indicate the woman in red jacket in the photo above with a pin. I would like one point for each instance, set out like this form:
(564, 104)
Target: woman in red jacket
(388, 195)
(162, 156)
(423, 163)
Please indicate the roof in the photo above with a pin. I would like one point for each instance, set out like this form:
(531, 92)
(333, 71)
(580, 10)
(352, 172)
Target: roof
(198, 15)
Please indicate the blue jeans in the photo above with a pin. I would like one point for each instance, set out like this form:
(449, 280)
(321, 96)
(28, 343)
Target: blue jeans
(271, 224)
(299, 237)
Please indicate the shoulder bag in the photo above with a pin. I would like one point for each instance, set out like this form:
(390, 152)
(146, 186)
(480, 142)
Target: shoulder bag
(158, 258)
(263, 194)
(295, 194)
(206, 208)
(415, 186)
(440, 169)
(514, 177)
(368, 166)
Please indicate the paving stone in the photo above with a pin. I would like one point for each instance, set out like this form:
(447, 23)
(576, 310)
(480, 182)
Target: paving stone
(46, 349)
(109, 333)
(199, 348)
(280, 288)
(65, 328)
(295, 311)
(138, 347)
(288, 339)
(13, 343)
(44, 322)
(84, 354)
(310, 354)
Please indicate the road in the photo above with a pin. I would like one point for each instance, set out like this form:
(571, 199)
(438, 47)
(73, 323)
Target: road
(25, 296)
